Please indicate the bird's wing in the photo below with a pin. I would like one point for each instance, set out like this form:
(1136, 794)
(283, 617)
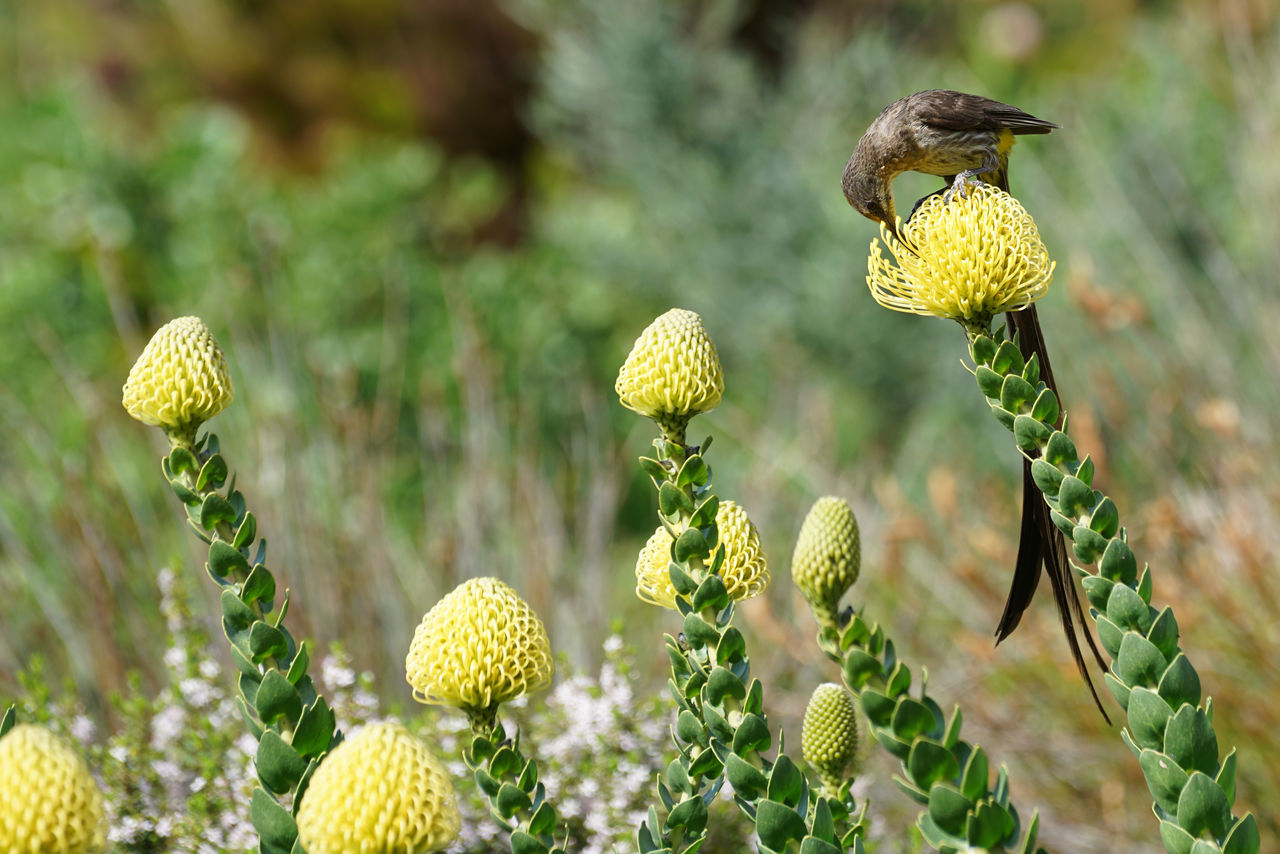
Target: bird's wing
(948, 110)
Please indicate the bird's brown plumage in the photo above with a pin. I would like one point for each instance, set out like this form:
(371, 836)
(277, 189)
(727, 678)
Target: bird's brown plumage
(958, 137)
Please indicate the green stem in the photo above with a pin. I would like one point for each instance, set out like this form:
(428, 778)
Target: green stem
(1168, 730)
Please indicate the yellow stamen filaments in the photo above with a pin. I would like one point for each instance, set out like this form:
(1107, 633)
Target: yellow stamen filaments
(49, 803)
(481, 645)
(745, 571)
(967, 259)
(381, 791)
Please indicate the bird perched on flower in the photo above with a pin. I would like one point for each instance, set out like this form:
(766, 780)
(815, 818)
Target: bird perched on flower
(961, 138)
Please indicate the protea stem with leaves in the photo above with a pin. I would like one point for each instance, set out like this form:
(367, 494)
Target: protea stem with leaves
(969, 260)
(704, 556)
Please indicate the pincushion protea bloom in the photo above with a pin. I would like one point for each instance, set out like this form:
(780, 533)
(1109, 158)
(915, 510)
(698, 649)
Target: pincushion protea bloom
(967, 259)
(481, 645)
(827, 556)
(49, 803)
(745, 571)
(673, 372)
(180, 380)
(380, 791)
(829, 734)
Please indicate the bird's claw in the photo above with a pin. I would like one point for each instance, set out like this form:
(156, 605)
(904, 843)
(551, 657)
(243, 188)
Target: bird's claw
(960, 186)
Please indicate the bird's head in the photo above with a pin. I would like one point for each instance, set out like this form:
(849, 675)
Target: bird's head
(869, 194)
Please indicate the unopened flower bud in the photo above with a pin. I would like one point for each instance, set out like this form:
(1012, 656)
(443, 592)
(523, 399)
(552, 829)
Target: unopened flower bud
(180, 380)
(827, 557)
(829, 734)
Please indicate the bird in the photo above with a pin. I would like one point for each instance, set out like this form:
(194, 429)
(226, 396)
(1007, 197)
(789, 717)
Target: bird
(960, 138)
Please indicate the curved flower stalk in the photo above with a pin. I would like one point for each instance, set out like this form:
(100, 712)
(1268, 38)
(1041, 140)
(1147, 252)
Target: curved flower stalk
(1169, 730)
(49, 802)
(969, 260)
(709, 553)
(478, 647)
(179, 382)
(948, 776)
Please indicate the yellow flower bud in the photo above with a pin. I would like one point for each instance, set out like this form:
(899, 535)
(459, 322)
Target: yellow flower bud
(745, 571)
(827, 557)
(673, 372)
(49, 803)
(379, 791)
(967, 259)
(180, 380)
(829, 734)
(479, 646)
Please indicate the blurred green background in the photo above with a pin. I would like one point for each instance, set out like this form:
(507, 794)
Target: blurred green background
(427, 233)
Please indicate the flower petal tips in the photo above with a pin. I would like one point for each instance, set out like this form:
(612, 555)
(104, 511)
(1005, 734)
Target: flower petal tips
(481, 645)
(745, 571)
(380, 791)
(49, 803)
(673, 372)
(967, 259)
(181, 378)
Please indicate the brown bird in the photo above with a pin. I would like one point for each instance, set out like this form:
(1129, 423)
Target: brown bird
(961, 137)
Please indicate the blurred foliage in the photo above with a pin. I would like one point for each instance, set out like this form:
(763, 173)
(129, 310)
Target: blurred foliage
(424, 324)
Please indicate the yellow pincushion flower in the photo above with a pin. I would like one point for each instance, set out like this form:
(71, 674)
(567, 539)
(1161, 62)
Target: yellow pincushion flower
(745, 571)
(379, 792)
(967, 259)
(180, 380)
(49, 803)
(829, 734)
(828, 556)
(673, 372)
(481, 645)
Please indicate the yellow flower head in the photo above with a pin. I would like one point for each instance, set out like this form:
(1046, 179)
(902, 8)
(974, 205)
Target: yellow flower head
(673, 371)
(967, 259)
(49, 803)
(479, 646)
(380, 791)
(745, 571)
(828, 556)
(829, 734)
(181, 378)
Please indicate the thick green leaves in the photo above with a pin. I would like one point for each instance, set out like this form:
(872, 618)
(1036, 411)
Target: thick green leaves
(1191, 742)
(1203, 807)
(276, 828)
(1164, 778)
(1148, 715)
(778, 824)
(277, 698)
(279, 766)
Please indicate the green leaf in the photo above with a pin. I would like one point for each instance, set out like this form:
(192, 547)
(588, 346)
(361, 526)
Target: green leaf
(707, 763)
(786, 783)
(212, 474)
(279, 766)
(1226, 777)
(506, 762)
(1087, 544)
(1175, 839)
(1062, 523)
(982, 350)
(266, 641)
(678, 778)
(911, 790)
(711, 593)
(977, 775)
(899, 681)
(1164, 634)
(672, 501)
(859, 667)
(913, 718)
(691, 814)
(7, 722)
(277, 698)
(1017, 395)
(511, 800)
(1098, 589)
(949, 808)
(706, 512)
(224, 559)
(1031, 371)
(878, 708)
(890, 742)
(690, 544)
(1191, 741)
(1203, 807)
(752, 735)
(1048, 478)
(1028, 845)
(185, 494)
(276, 828)
(952, 735)
(1046, 408)
(698, 632)
(1030, 434)
(1007, 359)
(694, 471)
(747, 780)
(1060, 451)
(315, 728)
(524, 843)
(298, 667)
(778, 824)
(1139, 662)
(1084, 471)
(543, 821)
(1180, 682)
(1105, 519)
(1118, 689)
(989, 381)
(246, 532)
(989, 825)
(1148, 715)
(259, 587)
(1110, 635)
(1165, 779)
(215, 509)
(1126, 609)
(1118, 563)
(1243, 838)
(722, 683)
(930, 762)
(1075, 497)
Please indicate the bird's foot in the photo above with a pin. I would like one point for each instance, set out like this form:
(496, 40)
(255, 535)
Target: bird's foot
(960, 185)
